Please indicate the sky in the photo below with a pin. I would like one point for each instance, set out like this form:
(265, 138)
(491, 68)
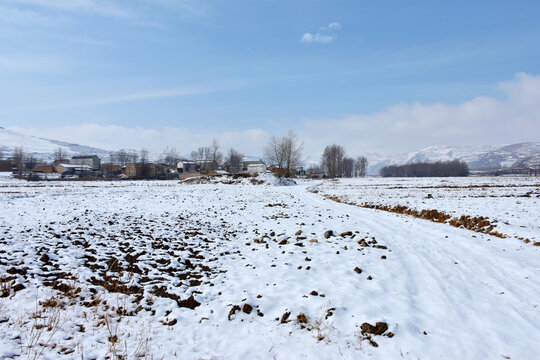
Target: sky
(385, 76)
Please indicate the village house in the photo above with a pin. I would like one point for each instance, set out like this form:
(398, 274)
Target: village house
(73, 169)
(91, 160)
(253, 167)
(186, 166)
(140, 170)
(110, 170)
(44, 169)
(5, 165)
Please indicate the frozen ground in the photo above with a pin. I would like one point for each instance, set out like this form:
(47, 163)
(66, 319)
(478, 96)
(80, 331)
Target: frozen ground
(511, 203)
(154, 269)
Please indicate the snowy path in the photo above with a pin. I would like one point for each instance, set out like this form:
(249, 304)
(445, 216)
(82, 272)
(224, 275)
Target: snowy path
(473, 295)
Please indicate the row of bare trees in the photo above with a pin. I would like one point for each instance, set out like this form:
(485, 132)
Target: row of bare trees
(425, 169)
(336, 163)
(207, 158)
(23, 161)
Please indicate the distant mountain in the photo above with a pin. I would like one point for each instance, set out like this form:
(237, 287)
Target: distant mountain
(481, 157)
(43, 148)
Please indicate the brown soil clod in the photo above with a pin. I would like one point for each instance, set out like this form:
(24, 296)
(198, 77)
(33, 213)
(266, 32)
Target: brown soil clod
(379, 328)
(357, 270)
(302, 318)
(189, 303)
(233, 310)
(284, 317)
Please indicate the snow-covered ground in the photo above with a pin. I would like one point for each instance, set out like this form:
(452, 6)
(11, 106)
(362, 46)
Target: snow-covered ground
(511, 203)
(154, 269)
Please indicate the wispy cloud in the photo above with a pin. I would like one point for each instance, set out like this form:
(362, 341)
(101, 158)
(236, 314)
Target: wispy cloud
(150, 95)
(31, 64)
(334, 26)
(18, 17)
(327, 34)
(317, 38)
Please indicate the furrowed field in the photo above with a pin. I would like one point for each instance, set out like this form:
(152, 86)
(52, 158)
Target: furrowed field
(222, 269)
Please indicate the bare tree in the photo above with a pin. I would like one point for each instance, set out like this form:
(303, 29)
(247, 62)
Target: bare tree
(30, 161)
(112, 157)
(285, 152)
(18, 159)
(60, 153)
(332, 160)
(347, 167)
(145, 167)
(198, 156)
(170, 156)
(360, 166)
(216, 156)
(122, 157)
(275, 152)
(133, 157)
(234, 160)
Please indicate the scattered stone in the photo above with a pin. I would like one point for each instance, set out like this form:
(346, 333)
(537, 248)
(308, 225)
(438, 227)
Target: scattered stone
(369, 277)
(357, 270)
(328, 233)
(346, 233)
(247, 308)
(314, 293)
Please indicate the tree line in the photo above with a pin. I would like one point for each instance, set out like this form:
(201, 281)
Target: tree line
(427, 169)
(335, 163)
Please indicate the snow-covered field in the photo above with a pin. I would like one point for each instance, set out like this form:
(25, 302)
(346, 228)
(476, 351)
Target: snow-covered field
(242, 271)
(511, 203)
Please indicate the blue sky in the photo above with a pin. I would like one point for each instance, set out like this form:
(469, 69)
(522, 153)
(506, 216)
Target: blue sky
(355, 72)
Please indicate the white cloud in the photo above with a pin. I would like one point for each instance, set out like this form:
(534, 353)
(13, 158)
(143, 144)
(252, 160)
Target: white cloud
(409, 127)
(334, 26)
(317, 38)
(327, 34)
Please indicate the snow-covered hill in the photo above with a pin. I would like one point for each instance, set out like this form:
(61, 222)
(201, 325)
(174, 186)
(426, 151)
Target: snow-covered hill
(478, 157)
(43, 148)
